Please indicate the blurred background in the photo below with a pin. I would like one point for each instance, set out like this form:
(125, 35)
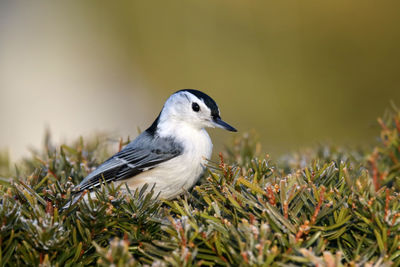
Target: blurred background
(298, 72)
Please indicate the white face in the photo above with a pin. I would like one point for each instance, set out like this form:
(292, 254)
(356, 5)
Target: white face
(185, 107)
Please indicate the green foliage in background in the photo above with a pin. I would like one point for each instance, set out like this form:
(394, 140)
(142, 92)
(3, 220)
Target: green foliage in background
(326, 207)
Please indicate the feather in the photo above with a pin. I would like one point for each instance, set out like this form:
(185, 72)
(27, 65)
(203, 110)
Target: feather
(143, 154)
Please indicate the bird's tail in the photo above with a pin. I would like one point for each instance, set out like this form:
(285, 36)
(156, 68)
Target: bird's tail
(75, 199)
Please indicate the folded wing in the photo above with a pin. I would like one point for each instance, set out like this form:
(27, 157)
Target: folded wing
(144, 153)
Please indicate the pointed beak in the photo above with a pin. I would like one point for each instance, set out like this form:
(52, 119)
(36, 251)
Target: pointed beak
(220, 123)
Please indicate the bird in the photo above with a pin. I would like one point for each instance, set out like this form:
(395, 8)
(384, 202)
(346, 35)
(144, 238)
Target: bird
(170, 156)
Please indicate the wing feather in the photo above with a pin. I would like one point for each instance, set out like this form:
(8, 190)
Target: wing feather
(142, 154)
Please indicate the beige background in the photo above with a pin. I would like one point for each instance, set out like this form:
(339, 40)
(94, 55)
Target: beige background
(299, 72)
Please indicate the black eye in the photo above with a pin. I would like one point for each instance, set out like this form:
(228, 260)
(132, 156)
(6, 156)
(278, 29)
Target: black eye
(195, 107)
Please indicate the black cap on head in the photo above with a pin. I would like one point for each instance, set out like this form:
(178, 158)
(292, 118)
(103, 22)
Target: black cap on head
(210, 103)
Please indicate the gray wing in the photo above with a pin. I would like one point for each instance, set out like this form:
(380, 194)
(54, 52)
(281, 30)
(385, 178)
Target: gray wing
(144, 153)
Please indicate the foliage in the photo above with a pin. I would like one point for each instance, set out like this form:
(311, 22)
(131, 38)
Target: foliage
(328, 207)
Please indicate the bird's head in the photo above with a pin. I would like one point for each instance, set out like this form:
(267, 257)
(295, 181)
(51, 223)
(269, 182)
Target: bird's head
(194, 108)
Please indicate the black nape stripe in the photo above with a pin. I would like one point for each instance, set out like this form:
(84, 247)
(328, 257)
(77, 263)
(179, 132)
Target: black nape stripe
(210, 103)
(153, 127)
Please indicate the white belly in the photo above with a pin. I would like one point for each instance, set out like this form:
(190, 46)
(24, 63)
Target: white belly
(179, 174)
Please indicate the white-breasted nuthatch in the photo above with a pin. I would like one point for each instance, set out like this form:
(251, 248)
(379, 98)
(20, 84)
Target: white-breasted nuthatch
(170, 155)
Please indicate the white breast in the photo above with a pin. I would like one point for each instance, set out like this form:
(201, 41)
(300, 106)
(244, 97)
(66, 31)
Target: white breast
(173, 177)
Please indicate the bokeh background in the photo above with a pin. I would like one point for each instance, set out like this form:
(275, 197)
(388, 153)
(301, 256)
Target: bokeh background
(298, 72)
